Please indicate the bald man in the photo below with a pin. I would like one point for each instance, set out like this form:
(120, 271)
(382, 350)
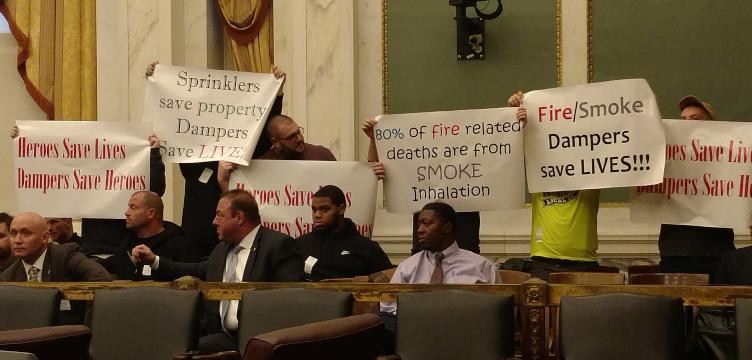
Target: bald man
(144, 219)
(288, 142)
(39, 260)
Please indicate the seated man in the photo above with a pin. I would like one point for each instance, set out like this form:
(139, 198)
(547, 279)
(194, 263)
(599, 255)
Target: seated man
(38, 260)
(61, 231)
(247, 251)
(440, 262)
(467, 227)
(6, 256)
(335, 248)
(144, 217)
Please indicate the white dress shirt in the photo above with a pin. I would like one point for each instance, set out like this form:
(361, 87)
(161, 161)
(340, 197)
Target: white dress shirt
(231, 318)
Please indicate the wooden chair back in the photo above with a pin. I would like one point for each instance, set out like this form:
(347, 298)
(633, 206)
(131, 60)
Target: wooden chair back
(586, 278)
(669, 279)
(643, 269)
(512, 276)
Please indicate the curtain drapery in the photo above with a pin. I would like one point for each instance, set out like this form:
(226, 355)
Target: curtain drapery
(248, 25)
(57, 57)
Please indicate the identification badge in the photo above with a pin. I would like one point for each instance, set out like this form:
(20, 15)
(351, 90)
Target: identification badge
(206, 175)
(309, 263)
(146, 271)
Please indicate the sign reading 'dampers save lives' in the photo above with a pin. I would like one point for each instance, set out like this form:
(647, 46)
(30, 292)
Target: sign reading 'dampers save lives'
(593, 136)
(708, 168)
(80, 168)
(285, 196)
(205, 115)
(470, 159)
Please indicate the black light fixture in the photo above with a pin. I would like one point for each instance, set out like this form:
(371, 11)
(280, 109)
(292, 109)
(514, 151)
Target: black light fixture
(470, 30)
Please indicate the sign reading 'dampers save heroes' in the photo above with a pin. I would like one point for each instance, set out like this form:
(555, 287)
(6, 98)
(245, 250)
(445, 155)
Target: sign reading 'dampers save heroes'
(708, 170)
(593, 136)
(80, 168)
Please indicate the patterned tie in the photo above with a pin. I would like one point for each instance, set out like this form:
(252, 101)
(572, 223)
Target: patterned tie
(33, 274)
(437, 277)
(231, 276)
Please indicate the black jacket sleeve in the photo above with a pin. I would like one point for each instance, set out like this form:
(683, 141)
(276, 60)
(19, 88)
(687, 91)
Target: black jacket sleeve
(157, 181)
(288, 264)
(169, 269)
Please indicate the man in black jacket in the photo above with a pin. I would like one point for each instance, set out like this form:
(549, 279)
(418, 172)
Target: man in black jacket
(247, 252)
(335, 248)
(144, 219)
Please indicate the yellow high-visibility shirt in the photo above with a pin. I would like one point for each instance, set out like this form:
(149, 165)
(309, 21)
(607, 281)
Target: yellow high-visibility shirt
(565, 225)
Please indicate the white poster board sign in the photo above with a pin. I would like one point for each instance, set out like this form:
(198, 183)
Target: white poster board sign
(707, 178)
(80, 169)
(593, 136)
(470, 159)
(284, 191)
(207, 115)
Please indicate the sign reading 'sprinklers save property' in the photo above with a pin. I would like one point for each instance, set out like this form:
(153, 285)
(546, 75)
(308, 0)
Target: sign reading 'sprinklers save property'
(593, 136)
(205, 115)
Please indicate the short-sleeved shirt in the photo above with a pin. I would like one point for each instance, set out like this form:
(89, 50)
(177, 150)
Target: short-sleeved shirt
(565, 225)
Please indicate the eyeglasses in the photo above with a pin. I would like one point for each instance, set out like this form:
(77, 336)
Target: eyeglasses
(293, 135)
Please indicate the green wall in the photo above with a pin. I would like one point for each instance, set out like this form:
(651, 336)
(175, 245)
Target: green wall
(424, 74)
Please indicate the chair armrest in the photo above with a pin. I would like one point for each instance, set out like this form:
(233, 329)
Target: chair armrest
(194, 355)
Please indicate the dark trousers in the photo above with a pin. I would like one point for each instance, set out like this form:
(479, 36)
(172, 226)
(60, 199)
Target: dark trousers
(467, 233)
(217, 342)
(389, 337)
(541, 267)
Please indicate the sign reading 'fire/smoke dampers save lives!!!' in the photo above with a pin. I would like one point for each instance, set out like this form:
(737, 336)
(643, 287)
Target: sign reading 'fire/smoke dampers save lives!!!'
(593, 136)
(208, 115)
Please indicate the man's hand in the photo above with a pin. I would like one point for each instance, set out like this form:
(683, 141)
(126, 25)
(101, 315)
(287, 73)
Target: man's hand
(279, 74)
(153, 141)
(150, 69)
(14, 132)
(379, 171)
(522, 116)
(223, 174)
(516, 99)
(141, 254)
(368, 125)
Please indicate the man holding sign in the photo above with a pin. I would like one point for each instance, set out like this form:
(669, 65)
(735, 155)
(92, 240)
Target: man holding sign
(694, 249)
(202, 188)
(565, 225)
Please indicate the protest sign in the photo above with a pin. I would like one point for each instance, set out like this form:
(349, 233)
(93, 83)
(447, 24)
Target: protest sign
(470, 159)
(593, 136)
(284, 191)
(206, 115)
(80, 168)
(707, 177)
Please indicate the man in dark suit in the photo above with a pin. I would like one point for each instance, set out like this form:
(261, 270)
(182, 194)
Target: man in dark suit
(37, 260)
(247, 252)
